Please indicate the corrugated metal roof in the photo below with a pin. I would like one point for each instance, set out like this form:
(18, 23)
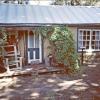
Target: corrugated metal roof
(11, 14)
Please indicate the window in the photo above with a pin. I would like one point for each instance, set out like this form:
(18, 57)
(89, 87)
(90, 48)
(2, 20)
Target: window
(90, 39)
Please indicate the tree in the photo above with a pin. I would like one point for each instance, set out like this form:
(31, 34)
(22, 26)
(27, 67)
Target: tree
(66, 2)
(15, 1)
(76, 2)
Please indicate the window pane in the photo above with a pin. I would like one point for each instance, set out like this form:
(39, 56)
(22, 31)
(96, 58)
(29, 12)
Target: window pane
(37, 41)
(36, 53)
(96, 44)
(92, 47)
(84, 37)
(81, 33)
(92, 43)
(97, 35)
(88, 37)
(83, 43)
(88, 33)
(84, 32)
(31, 39)
(87, 47)
(87, 42)
(80, 44)
(93, 37)
(80, 37)
(93, 33)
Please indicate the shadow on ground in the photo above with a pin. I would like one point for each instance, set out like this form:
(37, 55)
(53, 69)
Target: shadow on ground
(83, 86)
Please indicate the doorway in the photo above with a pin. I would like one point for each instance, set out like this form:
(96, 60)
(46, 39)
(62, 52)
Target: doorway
(34, 47)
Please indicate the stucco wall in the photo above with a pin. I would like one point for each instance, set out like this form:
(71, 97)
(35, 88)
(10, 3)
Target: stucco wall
(74, 32)
(46, 51)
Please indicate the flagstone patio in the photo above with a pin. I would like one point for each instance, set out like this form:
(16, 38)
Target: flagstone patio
(82, 86)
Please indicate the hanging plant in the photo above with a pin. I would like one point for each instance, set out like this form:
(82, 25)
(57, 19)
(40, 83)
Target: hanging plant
(44, 30)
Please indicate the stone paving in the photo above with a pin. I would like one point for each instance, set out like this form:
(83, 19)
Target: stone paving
(82, 86)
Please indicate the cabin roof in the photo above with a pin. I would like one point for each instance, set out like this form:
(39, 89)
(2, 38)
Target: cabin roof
(36, 15)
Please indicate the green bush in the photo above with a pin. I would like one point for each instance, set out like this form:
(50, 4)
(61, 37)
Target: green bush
(64, 44)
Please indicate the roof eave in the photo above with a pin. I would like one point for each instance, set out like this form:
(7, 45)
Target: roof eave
(46, 24)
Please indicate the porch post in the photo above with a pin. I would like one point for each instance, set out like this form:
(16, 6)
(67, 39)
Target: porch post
(40, 47)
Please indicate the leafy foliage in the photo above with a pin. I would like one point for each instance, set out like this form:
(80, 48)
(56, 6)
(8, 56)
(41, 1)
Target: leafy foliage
(15, 1)
(44, 31)
(76, 2)
(3, 36)
(64, 44)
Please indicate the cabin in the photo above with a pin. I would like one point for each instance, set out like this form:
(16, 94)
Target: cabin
(20, 22)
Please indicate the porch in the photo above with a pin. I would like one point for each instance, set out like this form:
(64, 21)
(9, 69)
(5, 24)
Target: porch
(32, 70)
(26, 44)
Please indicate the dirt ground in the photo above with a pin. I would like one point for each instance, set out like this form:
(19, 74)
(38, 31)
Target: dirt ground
(82, 86)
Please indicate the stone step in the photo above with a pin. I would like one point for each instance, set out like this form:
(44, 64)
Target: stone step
(30, 72)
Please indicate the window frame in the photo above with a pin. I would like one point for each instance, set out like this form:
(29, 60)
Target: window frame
(90, 40)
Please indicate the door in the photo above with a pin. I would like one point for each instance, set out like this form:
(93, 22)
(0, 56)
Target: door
(34, 47)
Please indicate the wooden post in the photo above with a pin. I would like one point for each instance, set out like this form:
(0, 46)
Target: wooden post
(82, 55)
(20, 62)
(7, 65)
